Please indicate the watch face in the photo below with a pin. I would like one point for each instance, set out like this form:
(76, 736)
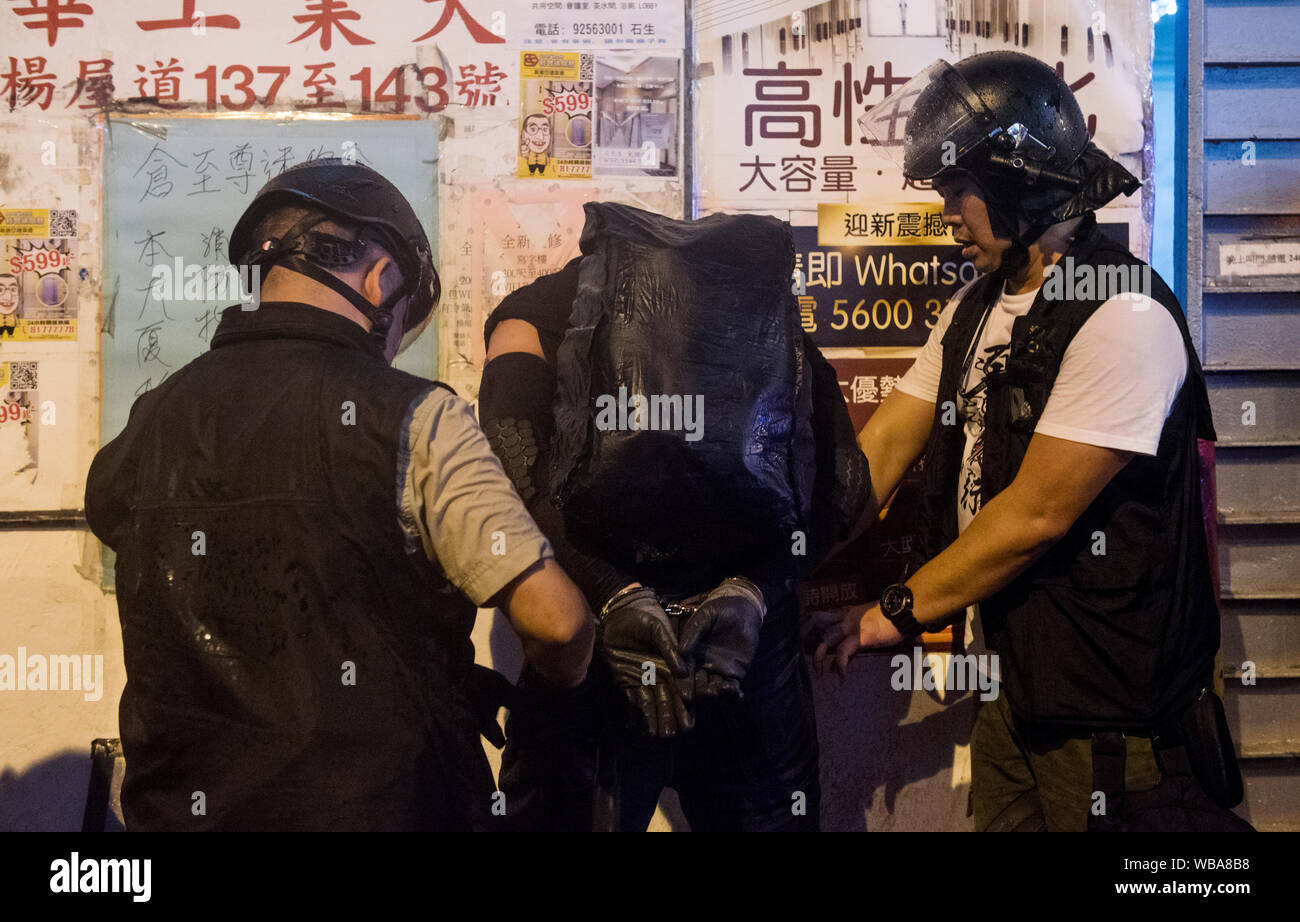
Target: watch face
(893, 599)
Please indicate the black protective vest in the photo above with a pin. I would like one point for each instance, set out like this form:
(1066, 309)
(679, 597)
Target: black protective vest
(281, 447)
(1086, 640)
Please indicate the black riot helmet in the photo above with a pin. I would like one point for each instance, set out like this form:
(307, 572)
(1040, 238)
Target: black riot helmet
(354, 196)
(1012, 123)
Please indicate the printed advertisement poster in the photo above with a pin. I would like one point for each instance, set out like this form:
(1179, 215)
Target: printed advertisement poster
(601, 23)
(38, 275)
(518, 235)
(865, 295)
(43, 451)
(19, 433)
(872, 277)
(556, 107)
(638, 110)
(782, 86)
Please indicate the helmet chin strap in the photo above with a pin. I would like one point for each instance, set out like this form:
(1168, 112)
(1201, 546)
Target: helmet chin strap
(291, 256)
(380, 317)
(1016, 256)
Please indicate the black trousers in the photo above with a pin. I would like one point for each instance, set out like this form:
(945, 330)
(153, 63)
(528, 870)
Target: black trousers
(749, 765)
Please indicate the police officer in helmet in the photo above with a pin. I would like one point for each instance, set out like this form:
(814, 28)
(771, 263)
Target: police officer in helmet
(1058, 421)
(303, 535)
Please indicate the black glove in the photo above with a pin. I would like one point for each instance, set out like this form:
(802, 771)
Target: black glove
(721, 636)
(636, 640)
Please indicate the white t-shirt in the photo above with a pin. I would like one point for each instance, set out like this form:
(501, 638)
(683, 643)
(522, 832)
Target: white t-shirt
(1115, 387)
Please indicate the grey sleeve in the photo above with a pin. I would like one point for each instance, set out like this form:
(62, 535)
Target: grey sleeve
(459, 505)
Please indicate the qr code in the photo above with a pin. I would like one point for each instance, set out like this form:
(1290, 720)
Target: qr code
(22, 376)
(587, 67)
(63, 223)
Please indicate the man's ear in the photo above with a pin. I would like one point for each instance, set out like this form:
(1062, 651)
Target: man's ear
(372, 286)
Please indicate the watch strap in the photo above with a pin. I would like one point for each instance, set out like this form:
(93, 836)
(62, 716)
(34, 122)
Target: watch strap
(902, 619)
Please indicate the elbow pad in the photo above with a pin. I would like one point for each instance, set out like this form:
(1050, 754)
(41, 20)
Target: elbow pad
(515, 412)
(515, 409)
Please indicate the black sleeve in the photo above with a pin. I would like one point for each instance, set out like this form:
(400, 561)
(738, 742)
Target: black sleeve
(111, 481)
(842, 485)
(544, 303)
(515, 407)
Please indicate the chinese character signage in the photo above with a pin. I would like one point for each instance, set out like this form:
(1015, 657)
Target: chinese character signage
(401, 56)
(1256, 259)
(854, 225)
(175, 188)
(874, 295)
(638, 24)
(780, 95)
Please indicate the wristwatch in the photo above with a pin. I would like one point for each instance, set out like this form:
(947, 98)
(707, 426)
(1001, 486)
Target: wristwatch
(896, 606)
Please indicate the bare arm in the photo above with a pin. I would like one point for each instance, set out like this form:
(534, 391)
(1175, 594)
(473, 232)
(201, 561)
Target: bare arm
(892, 440)
(1057, 481)
(553, 621)
(514, 336)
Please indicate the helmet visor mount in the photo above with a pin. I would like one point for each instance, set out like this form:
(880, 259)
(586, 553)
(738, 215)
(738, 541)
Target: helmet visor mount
(936, 121)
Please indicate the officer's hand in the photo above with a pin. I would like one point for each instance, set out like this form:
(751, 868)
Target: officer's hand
(636, 640)
(859, 628)
(840, 640)
(721, 636)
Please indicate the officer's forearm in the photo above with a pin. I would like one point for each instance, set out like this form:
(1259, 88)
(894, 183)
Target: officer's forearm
(554, 623)
(560, 665)
(998, 545)
(1057, 481)
(892, 440)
